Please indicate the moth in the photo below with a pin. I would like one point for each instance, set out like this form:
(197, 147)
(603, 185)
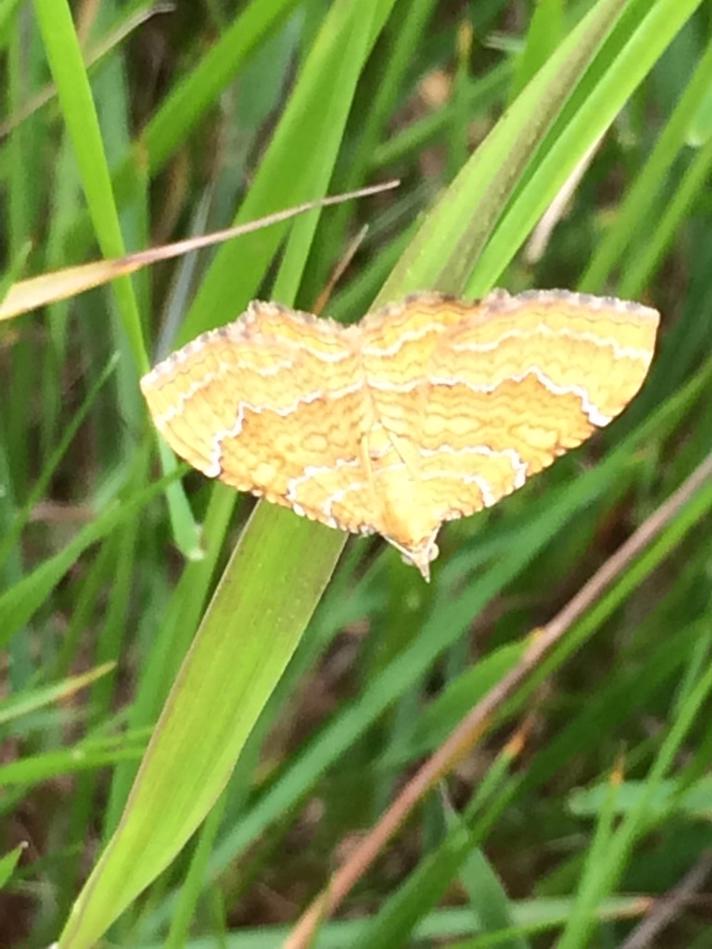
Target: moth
(426, 410)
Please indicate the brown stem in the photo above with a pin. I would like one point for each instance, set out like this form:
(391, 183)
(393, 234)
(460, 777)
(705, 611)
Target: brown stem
(473, 726)
(664, 910)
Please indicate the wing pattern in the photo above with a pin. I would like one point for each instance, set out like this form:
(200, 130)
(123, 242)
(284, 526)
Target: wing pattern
(425, 411)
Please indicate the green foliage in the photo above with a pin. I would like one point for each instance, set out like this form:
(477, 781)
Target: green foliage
(248, 678)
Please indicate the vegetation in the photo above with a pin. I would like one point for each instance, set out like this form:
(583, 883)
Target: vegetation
(214, 711)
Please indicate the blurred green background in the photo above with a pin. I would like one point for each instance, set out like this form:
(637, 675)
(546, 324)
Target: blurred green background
(582, 136)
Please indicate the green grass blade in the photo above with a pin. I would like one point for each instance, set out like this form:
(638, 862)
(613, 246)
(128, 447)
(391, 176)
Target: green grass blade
(19, 603)
(642, 46)
(28, 702)
(65, 58)
(634, 208)
(79, 112)
(601, 876)
(212, 727)
(8, 863)
(466, 215)
(290, 170)
(256, 610)
(189, 99)
(11, 536)
(677, 206)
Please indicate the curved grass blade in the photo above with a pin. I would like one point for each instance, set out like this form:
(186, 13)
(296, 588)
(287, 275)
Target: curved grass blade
(255, 620)
(169, 799)
(642, 42)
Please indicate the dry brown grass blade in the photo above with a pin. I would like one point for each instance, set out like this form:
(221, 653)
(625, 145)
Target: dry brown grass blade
(539, 241)
(339, 270)
(475, 723)
(26, 295)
